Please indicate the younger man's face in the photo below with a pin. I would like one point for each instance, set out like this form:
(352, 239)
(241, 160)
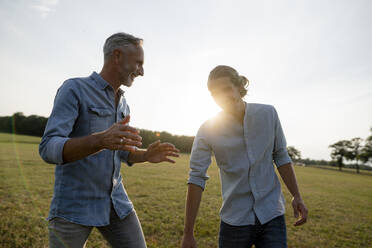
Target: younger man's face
(224, 93)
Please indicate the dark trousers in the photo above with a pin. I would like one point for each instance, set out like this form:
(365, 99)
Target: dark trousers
(272, 234)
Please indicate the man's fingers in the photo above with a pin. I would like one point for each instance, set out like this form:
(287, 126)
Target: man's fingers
(155, 144)
(300, 222)
(169, 160)
(295, 209)
(130, 135)
(171, 149)
(303, 211)
(131, 143)
(172, 154)
(167, 146)
(124, 141)
(128, 128)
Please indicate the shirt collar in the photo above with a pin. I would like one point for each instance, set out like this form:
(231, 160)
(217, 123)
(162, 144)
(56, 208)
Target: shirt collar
(103, 84)
(246, 108)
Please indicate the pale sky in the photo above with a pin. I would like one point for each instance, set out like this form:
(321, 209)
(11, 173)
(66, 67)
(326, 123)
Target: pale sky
(312, 60)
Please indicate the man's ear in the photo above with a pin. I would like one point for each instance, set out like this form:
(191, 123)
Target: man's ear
(116, 55)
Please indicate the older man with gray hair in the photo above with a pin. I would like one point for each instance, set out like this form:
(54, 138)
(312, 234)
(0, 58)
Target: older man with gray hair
(87, 136)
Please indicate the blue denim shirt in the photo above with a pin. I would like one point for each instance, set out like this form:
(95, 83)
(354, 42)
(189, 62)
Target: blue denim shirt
(85, 189)
(244, 154)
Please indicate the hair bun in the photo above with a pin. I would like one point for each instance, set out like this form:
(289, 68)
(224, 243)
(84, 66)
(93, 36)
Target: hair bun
(241, 82)
(244, 81)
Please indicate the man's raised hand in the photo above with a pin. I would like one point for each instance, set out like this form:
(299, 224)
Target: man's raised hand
(121, 136)
(159, 152)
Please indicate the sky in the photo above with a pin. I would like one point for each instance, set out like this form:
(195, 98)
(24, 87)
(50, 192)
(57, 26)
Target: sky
(312, 60)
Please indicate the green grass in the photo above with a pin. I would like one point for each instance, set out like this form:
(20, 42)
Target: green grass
(340, 203)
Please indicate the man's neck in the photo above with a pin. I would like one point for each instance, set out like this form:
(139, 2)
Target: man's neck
(108, 75)
(239, 112)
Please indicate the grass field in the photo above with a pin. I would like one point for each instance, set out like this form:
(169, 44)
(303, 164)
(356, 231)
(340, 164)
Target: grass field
(340, 203)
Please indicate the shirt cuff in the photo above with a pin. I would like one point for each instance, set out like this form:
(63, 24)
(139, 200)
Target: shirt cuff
(197, 181)
(282, 159)
(54, 150)
(124, 157)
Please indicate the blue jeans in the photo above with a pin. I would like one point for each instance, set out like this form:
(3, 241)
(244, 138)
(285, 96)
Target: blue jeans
(119, 233)
(273, 234)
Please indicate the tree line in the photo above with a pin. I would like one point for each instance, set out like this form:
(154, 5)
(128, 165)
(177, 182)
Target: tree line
(18, 123)
(356, 150)
(296, 157)
(34, 125)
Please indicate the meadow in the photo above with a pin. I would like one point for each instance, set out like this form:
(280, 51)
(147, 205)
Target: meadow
(339, 203)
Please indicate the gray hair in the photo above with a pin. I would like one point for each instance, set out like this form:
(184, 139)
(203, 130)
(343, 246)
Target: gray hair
(119, 40)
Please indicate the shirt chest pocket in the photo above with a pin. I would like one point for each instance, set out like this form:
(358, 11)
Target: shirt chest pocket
(100, 119)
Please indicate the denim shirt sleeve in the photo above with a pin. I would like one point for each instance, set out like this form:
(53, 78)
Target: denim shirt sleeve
(60, 123)
(124, 157)
(280, 153)
(200, 159)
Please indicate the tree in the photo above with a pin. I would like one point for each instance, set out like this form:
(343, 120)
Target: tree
(17, 122)
(294, 153)
(366, 154)
(356, 151)
(341, 151)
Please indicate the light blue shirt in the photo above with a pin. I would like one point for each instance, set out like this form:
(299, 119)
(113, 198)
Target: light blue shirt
(85, 189)
(245, 154)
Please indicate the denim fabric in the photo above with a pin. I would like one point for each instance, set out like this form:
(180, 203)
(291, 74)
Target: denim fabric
(120, 233)
(245, 154)
(84, 189)
(273, 234)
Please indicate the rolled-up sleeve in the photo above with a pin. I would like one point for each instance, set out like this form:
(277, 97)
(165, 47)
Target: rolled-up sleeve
(200, 159)
(60, 123)
(280, 153)
(124, 157)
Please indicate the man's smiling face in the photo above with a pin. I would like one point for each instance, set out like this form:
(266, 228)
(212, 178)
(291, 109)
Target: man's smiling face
(130, 64)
